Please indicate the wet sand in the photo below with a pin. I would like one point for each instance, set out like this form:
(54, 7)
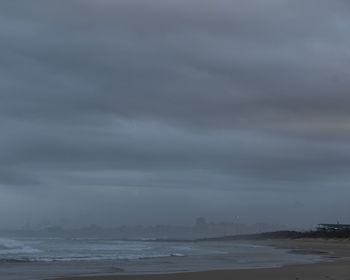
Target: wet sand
(335, 268)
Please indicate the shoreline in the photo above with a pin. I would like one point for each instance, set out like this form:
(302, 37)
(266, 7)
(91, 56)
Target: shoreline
(338, 266)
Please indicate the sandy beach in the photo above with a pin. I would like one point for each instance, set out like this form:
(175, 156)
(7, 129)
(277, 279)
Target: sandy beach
(337, 267)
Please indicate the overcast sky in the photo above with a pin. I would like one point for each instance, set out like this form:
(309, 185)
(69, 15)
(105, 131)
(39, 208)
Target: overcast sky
(159, 111)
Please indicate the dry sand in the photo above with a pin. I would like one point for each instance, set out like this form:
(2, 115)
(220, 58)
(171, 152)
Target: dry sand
(337, 269)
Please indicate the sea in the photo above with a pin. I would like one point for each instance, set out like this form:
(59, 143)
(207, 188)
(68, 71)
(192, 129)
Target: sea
(45, 258)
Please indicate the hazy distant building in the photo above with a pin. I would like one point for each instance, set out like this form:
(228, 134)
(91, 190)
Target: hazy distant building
(200, 222)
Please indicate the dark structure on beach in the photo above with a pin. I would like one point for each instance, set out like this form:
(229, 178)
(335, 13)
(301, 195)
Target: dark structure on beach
(333, 227)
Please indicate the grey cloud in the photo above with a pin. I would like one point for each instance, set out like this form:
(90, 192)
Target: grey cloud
(217, 95)
(162, 74)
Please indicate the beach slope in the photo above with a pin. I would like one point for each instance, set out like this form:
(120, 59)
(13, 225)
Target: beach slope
(337, 268)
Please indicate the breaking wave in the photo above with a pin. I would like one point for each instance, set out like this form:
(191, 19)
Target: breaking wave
(10, 246)
(67, 250)
(81, 258)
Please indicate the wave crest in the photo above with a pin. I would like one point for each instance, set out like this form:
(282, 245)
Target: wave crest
(11, 246)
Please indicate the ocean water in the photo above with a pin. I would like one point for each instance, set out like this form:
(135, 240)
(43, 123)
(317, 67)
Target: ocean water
(44, 258)
(76, 249)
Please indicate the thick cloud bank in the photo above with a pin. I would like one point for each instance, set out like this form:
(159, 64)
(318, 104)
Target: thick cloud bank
(157, 102)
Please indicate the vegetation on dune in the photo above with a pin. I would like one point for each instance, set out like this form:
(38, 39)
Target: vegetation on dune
(339, 234)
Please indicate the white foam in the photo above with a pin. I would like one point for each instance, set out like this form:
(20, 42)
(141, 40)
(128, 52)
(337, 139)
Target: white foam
(64, 250)
(11, 246)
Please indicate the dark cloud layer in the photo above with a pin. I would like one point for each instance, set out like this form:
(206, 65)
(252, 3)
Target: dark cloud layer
(166, 96)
